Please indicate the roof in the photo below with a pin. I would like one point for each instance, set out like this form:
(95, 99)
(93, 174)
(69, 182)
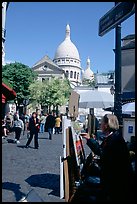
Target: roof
(45, 59)
(129, 37)
(129, 45)
(48, 64)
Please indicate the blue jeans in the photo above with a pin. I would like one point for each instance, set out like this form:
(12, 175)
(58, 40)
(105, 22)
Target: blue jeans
(41, 127)
(50, 131)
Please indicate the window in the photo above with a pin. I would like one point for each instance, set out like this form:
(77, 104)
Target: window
(77, 75)
(74, 75)
(71, 74)
(45, 67)
(67, 74)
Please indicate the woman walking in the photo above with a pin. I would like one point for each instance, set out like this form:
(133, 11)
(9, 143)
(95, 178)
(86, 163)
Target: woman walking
(33, 127)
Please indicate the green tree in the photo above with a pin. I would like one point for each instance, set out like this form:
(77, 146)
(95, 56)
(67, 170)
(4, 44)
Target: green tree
(54, 92)
(20, 76)
(36, 90)
(5, 81)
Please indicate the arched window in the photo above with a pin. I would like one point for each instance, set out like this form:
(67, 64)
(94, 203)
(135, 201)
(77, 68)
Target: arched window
(67, 74)
(74, 75)
(77, 75)
(71, 74)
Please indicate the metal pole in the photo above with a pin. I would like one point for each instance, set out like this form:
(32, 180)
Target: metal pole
(117, 96)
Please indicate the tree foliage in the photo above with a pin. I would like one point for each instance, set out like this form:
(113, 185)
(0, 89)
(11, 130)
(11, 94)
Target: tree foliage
(20, 76)
(50, 92)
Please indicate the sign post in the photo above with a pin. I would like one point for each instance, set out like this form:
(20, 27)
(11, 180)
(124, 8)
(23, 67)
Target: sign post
(113, 19)
(117, 96)
(115, 16)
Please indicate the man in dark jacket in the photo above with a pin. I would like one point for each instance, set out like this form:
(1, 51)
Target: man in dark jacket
(114, 161)
(50, 124)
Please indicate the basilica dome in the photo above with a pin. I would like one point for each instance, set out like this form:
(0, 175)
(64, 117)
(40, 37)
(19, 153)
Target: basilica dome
(88, 74)
(67, 49)
(67, 57)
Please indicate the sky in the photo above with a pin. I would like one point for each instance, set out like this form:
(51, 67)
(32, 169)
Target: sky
(36, 29)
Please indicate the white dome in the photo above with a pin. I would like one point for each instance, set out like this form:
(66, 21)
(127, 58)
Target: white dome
(67, 49)
(88, 74)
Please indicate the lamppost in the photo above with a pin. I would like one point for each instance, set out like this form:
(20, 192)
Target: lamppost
(25, 103)
(117, 96)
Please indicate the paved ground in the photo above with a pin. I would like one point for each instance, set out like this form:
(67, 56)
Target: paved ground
(31, 170)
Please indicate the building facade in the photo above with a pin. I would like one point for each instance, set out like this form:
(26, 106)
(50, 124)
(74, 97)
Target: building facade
(4, 11)
(128, 68)
(46, 69)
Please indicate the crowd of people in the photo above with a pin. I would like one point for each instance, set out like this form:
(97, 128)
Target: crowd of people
(33, 124)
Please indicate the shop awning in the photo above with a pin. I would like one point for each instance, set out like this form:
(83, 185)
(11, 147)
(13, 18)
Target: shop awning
(3, 98)
(7, 93)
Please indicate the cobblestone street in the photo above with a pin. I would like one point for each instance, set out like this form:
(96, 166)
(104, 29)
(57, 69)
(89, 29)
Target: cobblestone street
(29, 169)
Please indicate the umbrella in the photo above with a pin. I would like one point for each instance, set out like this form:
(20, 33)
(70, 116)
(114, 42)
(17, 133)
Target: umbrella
(128, 108)
(95, 99)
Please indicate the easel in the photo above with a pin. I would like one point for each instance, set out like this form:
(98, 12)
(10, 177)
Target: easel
(71, 168)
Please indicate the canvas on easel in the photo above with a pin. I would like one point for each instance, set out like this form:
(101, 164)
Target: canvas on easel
(74, 161)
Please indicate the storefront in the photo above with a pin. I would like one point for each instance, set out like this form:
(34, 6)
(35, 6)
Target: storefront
(7, 95)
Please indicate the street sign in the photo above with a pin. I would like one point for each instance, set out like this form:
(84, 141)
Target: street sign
(115, 16)
(26, 102)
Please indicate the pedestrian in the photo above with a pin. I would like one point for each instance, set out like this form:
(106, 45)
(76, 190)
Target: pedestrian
(22, 117)
(42, 123)
(61, 116)
(18, 127)
(57, 124)
(26, 121)
(115, 167)
(33, 128)
(8, 120)
(50, 124)
(4, 129)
